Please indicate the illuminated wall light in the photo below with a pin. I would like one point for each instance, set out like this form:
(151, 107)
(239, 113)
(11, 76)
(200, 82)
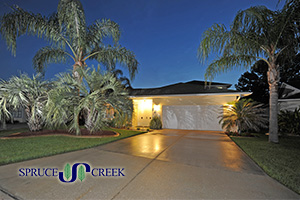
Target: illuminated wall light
(145, 104)
(156, 108)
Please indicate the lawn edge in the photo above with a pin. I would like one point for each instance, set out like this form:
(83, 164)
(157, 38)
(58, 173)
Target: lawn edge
(68, 151)
(261, 167)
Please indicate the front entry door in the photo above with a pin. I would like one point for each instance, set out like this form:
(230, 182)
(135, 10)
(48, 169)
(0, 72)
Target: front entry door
(144, 114)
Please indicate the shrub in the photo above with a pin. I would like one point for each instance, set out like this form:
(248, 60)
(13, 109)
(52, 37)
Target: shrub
(156, 123)
(121, 120)
(99, 92)
(245, 115)
(28, 93)
(289, 122)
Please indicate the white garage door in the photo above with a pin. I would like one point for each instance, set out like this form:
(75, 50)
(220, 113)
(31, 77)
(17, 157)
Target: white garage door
(192, 117)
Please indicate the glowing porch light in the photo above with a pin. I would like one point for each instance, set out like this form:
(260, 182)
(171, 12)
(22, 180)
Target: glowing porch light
(143, 105)
(156, 108)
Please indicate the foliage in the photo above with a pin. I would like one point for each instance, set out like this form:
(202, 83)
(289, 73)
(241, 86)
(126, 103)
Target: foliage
(67, 28)
(289, 122)
(92, 97)
(119, 75)
(155, 122)
(256, 33)
(256, 80)
(121, 120)
(4, 108)
(26, 92)
(245, 115)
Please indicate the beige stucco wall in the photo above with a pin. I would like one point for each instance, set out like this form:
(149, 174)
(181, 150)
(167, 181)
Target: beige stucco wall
(160, 101)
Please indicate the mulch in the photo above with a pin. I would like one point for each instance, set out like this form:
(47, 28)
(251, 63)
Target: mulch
(84, 133)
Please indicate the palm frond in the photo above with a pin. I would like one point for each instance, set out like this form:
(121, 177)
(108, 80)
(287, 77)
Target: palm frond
(227, 63)
(244, 114)
(20, 22)
(110, 56)
(29, 93)
(99, 91)
(256, 33)
(102, 29)
(71, 18)
(48, 55)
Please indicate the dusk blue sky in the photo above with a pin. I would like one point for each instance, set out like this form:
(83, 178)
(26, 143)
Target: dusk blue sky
(164, 35)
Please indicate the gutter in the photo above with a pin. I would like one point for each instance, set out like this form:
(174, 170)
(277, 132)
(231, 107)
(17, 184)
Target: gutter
(288, 99)
(189, 95)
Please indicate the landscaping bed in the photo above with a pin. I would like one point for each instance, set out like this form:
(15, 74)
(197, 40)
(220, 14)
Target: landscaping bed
(83, 133)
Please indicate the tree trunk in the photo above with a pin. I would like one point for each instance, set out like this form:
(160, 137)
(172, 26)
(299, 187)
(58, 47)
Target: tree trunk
(4, 124)
(34, 124)
(78, 64)
(273, 79)
(88, 121)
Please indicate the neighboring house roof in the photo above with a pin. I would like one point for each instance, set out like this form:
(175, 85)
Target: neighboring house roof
(191, 87)
(290, 90)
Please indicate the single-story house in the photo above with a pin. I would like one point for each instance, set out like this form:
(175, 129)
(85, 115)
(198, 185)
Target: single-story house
(289, 96)
(191, 105)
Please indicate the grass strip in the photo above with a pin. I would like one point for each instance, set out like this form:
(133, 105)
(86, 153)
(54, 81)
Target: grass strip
(280, 161)
(21, 149)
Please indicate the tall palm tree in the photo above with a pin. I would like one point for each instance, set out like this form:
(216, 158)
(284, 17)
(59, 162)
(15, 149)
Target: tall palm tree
(244, 115)
(69, 37)
(99, 92)
(256, 33)
(28, 93)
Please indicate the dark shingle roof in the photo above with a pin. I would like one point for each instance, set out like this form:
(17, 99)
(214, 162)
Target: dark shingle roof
(295, 84)
(285, 92)
(295, 96)
(192, 87)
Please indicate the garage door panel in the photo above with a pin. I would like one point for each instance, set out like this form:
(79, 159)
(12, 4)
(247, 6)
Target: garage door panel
(192, 117)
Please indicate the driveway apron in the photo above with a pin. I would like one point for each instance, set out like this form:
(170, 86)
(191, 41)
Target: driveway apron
(164, 164)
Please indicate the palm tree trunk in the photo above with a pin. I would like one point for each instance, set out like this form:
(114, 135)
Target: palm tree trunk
(35, 124)
(273, 78)
(4, 127)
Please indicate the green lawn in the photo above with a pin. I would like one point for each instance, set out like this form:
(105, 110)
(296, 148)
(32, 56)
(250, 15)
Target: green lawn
(16, 150)
(281, 161)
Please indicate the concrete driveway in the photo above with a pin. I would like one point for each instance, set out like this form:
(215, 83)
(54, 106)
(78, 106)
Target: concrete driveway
(166, 164)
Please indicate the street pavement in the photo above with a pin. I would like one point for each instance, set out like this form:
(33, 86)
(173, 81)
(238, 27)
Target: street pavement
(163, 164)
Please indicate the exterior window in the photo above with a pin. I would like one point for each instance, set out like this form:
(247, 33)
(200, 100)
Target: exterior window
(17, 114)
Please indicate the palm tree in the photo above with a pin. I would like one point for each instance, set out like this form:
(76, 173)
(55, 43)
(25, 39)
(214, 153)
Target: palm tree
(99, 92)
(28, 93)
(67, 28)
(244, 115)
(4, 111)
(256, 33)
